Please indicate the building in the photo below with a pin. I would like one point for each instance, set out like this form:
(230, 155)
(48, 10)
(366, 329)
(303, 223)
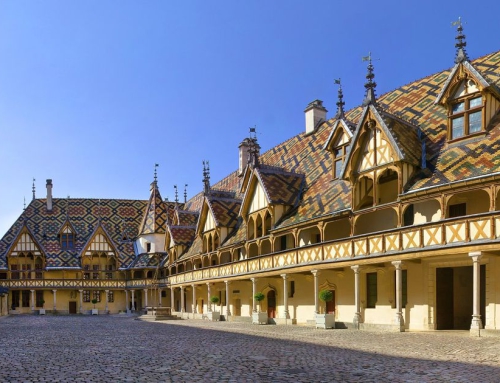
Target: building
(392, 206)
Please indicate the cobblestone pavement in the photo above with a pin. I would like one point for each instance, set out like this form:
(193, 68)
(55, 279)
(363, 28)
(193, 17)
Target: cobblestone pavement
(121, 349)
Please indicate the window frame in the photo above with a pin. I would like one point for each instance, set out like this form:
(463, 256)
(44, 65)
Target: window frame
(371, 290)
(465, 114)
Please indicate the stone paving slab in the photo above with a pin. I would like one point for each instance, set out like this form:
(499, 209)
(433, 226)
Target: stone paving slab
(121, 349)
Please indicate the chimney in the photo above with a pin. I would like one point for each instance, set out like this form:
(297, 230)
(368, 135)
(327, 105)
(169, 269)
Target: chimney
(49, 195)
(244, 155)
(315, 114)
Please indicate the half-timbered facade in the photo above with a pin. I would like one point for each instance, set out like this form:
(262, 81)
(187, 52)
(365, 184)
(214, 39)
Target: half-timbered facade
(394, 206)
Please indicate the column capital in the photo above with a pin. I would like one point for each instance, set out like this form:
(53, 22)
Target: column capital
(54, 291)
(106, 291)
(227, 282)
(81, 291)
(355, 268)
(397, 264)
(315, 272)
(284, 276)
(32, 291)
(193, 285)
(253, 279)
(146, 290)
(476, 255)
(182, 288)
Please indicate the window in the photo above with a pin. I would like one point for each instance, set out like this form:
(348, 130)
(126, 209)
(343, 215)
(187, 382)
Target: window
(466, 116)
(111, 296)
(148, 247)
(109, 275)
(14, 272)
(95, 274)
(67, 241)
(15, 299)
(86, 275)
(404, 288)
(86, 295)
(458, 210)
(371, 290)
(96, 294)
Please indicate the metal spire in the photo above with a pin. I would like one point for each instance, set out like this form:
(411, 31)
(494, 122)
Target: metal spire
(370, 85)
(340, 103)
(33, 187)
(176, 195)
(253, 150)
(24, 208)
(461, 54)
(206, 177)
(156, 175)
(185, 193)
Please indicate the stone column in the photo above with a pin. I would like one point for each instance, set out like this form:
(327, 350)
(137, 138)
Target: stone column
(476, 325)
(55, 300)
(316, 292)
(32, 300)
(81, 301)
(209, 304)
(6, 304)
(399, 295)
(127, 310)
(254, 291)
(182, 299)
(357, 315)
(106, 292)
(133, 300)
(286, 315)
(228, 310)
(145, 298)
(194, 298)
(172, 298)
(159, 297)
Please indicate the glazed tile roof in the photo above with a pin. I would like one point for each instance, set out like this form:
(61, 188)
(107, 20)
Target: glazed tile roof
(224, 207)
(182, 235)
(155, 218)
(186, 218)
(147, 260)
(281, 187)
(84, 215)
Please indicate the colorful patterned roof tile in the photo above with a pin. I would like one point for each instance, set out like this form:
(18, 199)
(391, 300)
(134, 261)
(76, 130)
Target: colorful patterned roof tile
(281, 187)
(182, 235)
(224, 210)
(147, 260)
(155, 217)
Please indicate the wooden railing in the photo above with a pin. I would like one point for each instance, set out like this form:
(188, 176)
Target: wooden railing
(461, 231)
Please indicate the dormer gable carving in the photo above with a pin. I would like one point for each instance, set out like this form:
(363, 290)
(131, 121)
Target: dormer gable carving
(338, 143)
(99, 255)
(25, 254)
(67, 236)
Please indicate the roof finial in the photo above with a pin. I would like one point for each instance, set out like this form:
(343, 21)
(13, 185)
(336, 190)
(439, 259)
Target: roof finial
(156, 175)
(176, 195)
(24, 208)
(461, 54)
(370, 85)
(33, 187)
(340, 102)
(185, 193)
(206, 177)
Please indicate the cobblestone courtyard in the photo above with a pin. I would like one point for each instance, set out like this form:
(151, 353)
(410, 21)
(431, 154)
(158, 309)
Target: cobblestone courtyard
(121, 349)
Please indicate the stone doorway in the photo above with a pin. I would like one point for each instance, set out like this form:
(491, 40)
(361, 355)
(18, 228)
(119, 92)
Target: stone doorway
(72, 307)
(271, 304)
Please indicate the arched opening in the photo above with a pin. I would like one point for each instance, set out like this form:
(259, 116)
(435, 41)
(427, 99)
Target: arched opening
(265, 247)
(253, 250)
(363, 193)
(337, 229)
(267, 224)
(180, 268)
(138, 274)
(258, 224)
(387, 186)
(225, 257)
(309, 236)
(468, 203)
(376, 221)
(205, 262)
(189, 265)
(251, 228)
(271, 304)
(284, 242)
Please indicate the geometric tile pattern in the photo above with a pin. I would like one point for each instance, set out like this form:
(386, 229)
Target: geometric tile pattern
(281, 187)
(156, 214)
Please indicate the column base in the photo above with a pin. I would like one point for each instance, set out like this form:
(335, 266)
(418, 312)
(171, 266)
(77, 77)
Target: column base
(400, 322)
(357, 320)
(476, 326)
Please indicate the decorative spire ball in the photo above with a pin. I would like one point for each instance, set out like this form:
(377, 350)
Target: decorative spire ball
(461, 54)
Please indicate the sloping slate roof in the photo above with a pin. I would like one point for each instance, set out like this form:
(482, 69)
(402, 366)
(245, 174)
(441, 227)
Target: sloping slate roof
(195, 248)
(187, 218)
(146, 260)
(281, 187)
(182, 235)
(406, 138)
(116, 216)
(156, 214)
(225, 210)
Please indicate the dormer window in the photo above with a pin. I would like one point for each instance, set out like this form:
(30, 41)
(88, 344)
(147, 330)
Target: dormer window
(339, 149)
(466, 112)
(67, 238)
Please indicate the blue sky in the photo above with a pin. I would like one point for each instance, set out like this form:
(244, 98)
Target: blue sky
(94, 93)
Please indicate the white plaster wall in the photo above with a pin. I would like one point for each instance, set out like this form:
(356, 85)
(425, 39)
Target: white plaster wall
(428, 211)
(157, 243)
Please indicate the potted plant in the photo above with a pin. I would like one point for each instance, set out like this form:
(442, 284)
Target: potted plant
(42, 310)
(94, 310)
(325, 320)
(259, 317)
(214, 315)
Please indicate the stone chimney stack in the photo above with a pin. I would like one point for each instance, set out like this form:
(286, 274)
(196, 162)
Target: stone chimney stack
(315, 113)
(49, 195)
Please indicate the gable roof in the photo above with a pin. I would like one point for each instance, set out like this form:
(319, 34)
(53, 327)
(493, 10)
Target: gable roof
(155, 217)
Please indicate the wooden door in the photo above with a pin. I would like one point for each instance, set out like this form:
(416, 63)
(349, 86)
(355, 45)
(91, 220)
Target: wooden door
(330, 306)
(444, 299)
(72, 307)
(237, 307)
(271, 304)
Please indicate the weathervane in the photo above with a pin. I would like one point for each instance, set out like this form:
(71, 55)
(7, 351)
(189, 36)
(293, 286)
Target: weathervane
(156, 176)
(461, 54)
(206, 177)
(176, 194)
(185, 193)
(24, 208)
(340, 102)
(33, 187)
(370, 85)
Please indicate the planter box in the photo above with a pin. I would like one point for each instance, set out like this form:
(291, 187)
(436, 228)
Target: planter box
(95, 311)
(325, 320)
(41, 312)
(259, 318)
(213, 315)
